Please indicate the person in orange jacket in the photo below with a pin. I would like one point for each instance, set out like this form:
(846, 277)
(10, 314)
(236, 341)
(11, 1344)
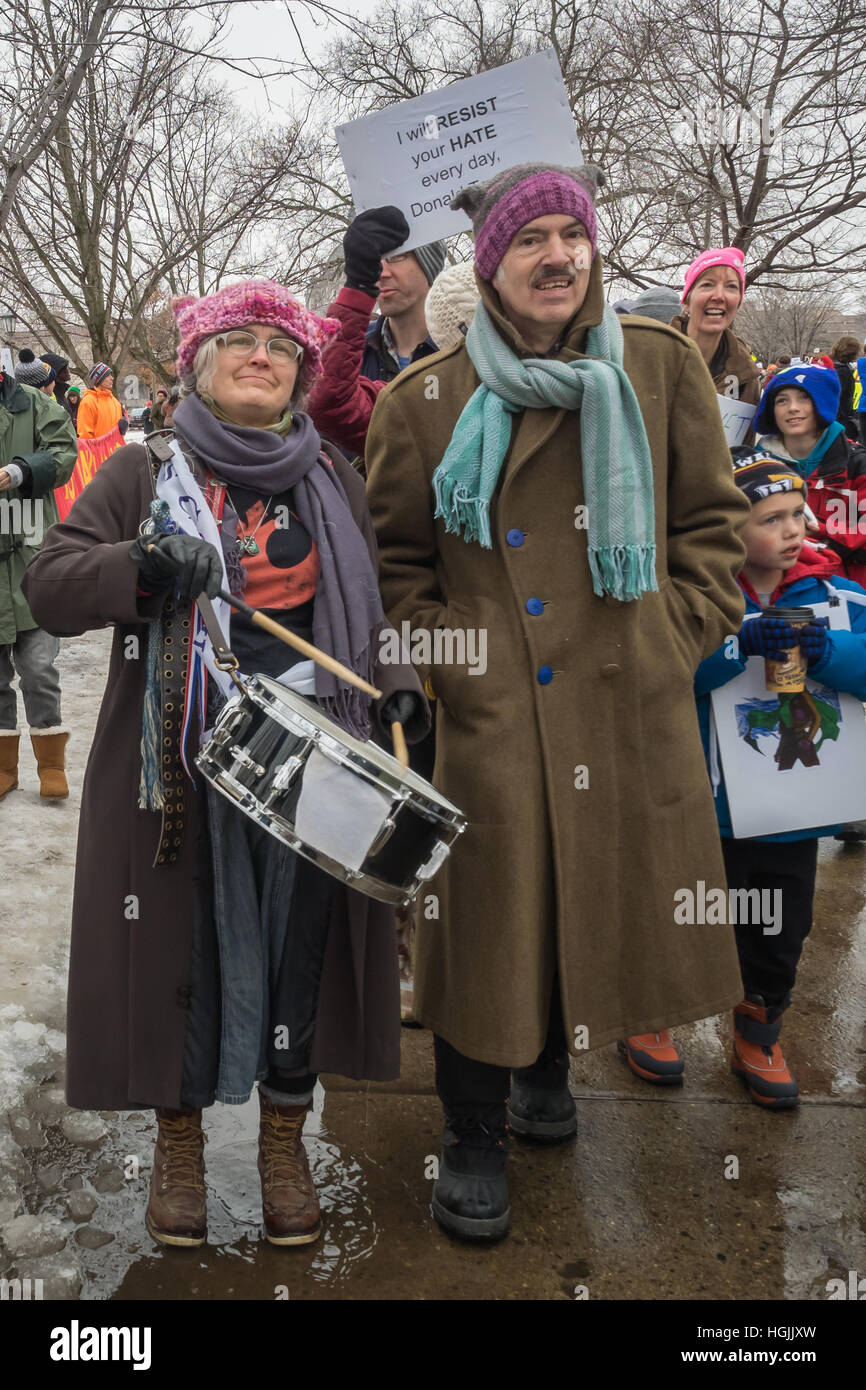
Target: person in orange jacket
(99, 410)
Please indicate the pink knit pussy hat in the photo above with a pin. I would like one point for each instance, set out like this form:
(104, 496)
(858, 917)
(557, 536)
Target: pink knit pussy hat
(500, 207)
(252, 301)
(721, 255)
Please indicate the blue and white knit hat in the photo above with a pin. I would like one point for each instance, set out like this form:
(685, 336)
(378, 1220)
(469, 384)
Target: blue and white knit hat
(98, 372)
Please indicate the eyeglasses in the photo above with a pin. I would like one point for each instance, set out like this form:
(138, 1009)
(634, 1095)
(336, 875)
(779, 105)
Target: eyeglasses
(397, 260)
(281, 351)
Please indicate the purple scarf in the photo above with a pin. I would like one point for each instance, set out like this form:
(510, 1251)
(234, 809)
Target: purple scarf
(347, 611)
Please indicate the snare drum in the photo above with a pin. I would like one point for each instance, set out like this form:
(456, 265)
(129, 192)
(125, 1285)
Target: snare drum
(345, 805)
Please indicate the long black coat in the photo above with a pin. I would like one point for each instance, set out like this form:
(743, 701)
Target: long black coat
(129, 980)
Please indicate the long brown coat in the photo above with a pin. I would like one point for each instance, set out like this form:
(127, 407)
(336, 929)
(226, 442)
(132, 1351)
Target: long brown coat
(552, 874)
(129, 980)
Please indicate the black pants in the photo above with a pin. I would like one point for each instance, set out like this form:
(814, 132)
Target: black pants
(461, 1081)
(769, 962)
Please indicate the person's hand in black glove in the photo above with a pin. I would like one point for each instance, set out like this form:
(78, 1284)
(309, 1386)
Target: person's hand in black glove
(372, 235)
(194, 563)
(767, 637)
(406, 707)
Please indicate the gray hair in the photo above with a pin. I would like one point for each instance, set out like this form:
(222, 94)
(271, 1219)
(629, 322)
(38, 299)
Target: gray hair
(204, 364)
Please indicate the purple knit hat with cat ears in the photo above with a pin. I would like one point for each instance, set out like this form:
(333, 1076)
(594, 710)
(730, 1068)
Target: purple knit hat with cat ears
(500, 207)
(252, 301)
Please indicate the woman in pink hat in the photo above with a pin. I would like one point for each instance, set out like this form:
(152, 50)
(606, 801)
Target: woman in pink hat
(205, 956)
(713, 291)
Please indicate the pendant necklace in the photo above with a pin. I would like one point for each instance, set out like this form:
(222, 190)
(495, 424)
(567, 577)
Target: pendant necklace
(247, 544)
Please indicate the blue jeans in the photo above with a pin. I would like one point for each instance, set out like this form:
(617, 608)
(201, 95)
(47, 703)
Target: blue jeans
(271, 911)
(32, 655)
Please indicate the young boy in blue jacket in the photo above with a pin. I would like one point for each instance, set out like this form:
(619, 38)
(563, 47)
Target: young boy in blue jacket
(779, 570)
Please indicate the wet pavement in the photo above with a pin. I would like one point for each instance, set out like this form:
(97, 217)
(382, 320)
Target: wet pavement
(690, 1193)
(643, 1204)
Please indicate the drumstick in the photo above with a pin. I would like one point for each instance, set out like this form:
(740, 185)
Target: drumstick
(401, 752)
(306, 648)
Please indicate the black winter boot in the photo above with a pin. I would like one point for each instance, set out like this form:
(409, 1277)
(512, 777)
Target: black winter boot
(541, 1105)
(470, 1196)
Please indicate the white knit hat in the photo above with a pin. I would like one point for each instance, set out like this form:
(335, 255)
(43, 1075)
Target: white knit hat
(451, 303)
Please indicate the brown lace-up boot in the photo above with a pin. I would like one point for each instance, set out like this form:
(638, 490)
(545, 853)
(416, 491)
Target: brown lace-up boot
(289, 1203)
(176, 1213)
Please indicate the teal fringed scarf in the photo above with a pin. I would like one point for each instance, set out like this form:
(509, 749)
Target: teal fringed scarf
(615, 454)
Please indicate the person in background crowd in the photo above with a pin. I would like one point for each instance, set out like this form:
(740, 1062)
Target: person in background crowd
(843, 356)
(796, 422)
(145, 417)
(250, 938)
(659, 302)
(170, 406)
(860, 399)
(61, 370)
(99, 410)
(778, 366)
(72, 400)
(38, 451)
(32, 371)
(157, 412)
(368, 352)
(713, 291)
(779, 569)
(547, 929)
(450, 305)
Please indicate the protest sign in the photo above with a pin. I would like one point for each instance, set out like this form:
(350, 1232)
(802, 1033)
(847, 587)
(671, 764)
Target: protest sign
(6, 363)
(791, 762)
(736, 418)
(418, 154)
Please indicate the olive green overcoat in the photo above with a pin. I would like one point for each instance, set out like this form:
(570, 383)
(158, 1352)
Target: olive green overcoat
(588, 796)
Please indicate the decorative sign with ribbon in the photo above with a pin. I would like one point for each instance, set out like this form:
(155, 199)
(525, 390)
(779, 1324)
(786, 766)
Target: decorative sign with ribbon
(91, 453)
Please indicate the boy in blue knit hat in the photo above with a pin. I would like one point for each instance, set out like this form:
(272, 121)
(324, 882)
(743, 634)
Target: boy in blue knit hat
(796, 421)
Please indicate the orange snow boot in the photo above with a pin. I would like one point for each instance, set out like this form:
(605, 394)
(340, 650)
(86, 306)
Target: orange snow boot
(757, 1057)
(653, 1057)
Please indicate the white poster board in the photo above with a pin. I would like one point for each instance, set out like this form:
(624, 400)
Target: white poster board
(736, 418)
(418, 154)
(6, 363)
(766, 798)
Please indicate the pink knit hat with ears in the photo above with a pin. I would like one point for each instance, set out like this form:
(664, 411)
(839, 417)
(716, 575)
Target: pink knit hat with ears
(721, 255)
(252, 301)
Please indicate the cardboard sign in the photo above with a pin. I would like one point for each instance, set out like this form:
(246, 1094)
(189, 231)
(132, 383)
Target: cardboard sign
(791, 763)
(418, 154)
(736, 418)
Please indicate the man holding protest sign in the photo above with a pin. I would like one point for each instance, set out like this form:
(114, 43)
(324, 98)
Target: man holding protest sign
(369, 353)
(560, 482)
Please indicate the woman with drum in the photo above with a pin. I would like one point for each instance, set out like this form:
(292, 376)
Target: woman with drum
(205, 955)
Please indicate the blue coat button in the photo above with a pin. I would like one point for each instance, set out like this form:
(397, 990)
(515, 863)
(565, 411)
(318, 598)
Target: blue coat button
(545, 675)
(534, 606)
(514, 537)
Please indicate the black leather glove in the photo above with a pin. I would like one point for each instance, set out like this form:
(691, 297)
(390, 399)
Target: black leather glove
(122, 425)
(194, 563)
(372, 235)
(407, 708)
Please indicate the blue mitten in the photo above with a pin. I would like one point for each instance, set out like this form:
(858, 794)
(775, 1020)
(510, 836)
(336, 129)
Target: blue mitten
(814, 641)
(767, 637)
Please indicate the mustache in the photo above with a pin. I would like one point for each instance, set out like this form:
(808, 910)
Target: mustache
(566, 272)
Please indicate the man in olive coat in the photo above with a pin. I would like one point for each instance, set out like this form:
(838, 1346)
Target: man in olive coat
(575, 754)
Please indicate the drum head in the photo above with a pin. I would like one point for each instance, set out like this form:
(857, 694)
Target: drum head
(269, 692)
